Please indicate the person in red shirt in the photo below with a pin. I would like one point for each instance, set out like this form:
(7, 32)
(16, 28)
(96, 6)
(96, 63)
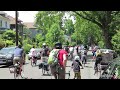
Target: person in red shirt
(59, 71)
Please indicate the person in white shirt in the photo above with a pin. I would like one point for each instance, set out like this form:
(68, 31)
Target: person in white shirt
(33, 52)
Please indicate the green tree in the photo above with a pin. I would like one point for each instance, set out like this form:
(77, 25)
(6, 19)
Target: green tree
(49, 22)
(105, 20)
(55, 34)
(69, 27)
(116, 41)
(39, 39)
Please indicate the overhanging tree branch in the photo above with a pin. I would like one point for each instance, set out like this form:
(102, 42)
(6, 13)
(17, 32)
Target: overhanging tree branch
(89, 19)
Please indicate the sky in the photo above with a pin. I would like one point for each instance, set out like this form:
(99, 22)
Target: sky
(25, 16)
(29, 16)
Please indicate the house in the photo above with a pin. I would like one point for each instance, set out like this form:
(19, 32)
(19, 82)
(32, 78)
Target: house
(13, 25)
(32, 28)
(4, 22)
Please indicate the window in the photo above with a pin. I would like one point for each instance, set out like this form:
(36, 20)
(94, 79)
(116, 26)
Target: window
(0, 23)
(6, 24)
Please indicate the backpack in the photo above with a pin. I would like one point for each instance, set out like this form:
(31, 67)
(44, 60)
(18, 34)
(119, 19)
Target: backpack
(53, 58)
(76, 66)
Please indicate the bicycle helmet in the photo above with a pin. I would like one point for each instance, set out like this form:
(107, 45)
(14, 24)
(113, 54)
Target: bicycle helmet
(58, 45)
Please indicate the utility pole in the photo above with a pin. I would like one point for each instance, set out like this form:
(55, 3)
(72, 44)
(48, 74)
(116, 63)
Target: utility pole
(16, 26)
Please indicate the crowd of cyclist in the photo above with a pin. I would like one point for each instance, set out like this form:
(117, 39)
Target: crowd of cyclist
(62, 55)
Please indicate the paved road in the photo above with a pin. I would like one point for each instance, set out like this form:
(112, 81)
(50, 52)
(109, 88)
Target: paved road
(35, 73)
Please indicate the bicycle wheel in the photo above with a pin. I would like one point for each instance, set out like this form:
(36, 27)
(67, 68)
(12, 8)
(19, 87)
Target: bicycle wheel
(35, 63)
(15, 73)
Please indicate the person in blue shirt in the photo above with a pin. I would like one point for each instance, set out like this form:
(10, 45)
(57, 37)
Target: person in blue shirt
(18, 55)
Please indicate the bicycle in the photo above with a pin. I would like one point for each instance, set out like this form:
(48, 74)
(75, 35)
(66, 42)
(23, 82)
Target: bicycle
(16, 69)
(45, 68)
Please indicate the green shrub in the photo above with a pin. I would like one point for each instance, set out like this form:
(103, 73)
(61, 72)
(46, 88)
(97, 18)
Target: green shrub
(9, 42)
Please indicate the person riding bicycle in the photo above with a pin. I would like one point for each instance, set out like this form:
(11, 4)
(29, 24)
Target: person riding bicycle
(98, 58)
(45, 53)
(58, 70)
(32, 50)
(18, 56)
(44, 56)
(76, 67)
(84, 55)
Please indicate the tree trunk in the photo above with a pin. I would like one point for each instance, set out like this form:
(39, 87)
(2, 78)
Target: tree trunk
(107, 38)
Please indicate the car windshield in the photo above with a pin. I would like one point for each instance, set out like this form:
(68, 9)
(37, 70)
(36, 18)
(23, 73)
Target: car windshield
(6, 50)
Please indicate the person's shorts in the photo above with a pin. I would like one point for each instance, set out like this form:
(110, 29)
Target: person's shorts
(77, 75)
(18, 59)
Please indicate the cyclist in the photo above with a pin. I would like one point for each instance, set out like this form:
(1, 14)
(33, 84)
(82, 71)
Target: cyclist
(62, 61)
(18, 55)
(45, 53)
(32, 50)
(44, 56)
(98, 58)
(84, 55)
(76, 67)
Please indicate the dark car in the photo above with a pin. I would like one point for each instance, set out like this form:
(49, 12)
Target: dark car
(108, 56)
(110, 51)
(112, 71)
(7, 55)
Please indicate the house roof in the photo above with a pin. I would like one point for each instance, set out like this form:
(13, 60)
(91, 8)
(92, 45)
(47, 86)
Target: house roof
(29, 24)
(13, 20)
(3, 14)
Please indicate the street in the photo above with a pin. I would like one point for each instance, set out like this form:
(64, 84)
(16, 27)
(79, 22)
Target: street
(36, 73)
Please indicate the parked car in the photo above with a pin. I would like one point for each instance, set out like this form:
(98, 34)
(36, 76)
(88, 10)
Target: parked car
(112, 71)
(37, 50)
(110, 51)
(7, 55)
(108, 56)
